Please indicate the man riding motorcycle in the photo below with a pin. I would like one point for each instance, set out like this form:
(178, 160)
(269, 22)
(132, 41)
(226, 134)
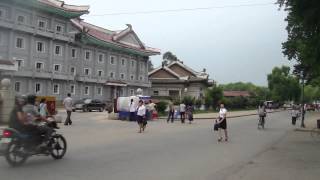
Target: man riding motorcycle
(26, 119)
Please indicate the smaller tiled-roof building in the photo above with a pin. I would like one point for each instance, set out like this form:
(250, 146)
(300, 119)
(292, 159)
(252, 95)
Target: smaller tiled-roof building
(176, 80)
(236, 94)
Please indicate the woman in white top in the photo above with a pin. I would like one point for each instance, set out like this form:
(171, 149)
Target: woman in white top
(222, 122)
(141, 116)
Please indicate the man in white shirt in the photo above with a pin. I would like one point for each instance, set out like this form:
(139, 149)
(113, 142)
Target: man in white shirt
(132, 110)
(182, 112)
(67, 103)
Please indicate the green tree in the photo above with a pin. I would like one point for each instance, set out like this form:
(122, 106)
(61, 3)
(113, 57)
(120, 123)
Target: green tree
(213, 96)
(303, 44)
(188, 100)
(169, 56)
(283, 85)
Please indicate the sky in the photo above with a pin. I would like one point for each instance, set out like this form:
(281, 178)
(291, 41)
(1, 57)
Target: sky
(233, 42)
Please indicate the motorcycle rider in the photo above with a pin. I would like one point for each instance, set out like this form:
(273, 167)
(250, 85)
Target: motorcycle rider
(17, 119)
(34, 119)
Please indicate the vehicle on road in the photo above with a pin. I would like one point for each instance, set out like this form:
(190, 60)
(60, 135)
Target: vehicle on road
(18, 147)
(310, 107)
(88, 105)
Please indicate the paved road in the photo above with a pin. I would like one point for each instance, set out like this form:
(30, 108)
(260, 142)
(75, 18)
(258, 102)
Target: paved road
(102, 149)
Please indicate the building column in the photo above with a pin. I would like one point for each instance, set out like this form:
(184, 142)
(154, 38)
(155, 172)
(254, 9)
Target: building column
(7, 100)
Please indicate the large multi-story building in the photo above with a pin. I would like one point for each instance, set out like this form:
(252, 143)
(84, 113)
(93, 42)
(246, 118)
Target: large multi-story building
(56, 52)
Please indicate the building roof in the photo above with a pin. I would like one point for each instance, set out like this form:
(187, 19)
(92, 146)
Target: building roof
(236, 94)
(192, 75)
(101, 36)
(7, 65)
(115, 83)
(56, 7)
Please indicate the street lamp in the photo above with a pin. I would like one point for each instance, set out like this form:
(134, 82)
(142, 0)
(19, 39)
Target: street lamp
(302, 100)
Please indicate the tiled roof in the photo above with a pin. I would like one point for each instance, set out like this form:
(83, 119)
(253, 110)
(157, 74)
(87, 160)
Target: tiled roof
(63, 6)
(6, 62)
(236, 94)
(109, 36)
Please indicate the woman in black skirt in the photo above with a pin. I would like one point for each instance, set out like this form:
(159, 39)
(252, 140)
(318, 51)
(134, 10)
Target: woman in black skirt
(222, 122)
(141, 116)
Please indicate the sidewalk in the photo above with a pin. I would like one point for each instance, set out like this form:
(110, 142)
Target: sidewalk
(230, 114)
(310, 121)
(296, 156)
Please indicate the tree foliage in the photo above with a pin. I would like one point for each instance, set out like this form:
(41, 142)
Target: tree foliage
(169, 56)
(303, 44)
(283, 85)
(213, 96)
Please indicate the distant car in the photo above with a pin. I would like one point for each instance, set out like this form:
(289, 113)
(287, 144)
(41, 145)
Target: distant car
(88, 105)
(310, 107)
(287, 106)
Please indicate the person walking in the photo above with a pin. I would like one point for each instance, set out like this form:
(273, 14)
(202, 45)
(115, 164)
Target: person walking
(43, 110)
(262, 114)
(171, 113)
(222, 122)
(141, 117)
(67, 103)
(132, 110)
(182, 112)
(152, 107)
(294, 115)
(190, 113)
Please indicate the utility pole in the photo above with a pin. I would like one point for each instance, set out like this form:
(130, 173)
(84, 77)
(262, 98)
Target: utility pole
(302, 100)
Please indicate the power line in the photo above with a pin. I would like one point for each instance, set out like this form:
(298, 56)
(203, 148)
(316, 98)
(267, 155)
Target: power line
(182, 9)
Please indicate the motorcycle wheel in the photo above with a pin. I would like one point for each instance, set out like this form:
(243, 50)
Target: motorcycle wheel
(58, 146)
(15, 155)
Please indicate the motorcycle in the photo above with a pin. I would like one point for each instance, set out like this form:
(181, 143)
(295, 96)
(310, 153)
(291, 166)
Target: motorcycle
(19, 147)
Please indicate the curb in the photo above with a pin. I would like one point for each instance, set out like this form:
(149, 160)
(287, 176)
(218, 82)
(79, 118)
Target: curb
(230, 117)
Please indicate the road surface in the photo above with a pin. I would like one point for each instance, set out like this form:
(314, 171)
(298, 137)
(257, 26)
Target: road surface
(101, 149)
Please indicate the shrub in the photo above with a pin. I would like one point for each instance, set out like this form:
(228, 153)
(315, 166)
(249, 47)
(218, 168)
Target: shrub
(161, 106)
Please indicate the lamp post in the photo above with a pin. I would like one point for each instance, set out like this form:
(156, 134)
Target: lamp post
(302, 100)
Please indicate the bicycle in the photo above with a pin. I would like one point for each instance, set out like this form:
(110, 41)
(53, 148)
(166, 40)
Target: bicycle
(315, 134)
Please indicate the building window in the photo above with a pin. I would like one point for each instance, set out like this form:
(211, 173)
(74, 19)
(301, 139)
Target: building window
(72, 89)
(20, 43)
(39, 66)
(99, 91)
(131, 92)
(17, 86)
(132, 63)
(56, 89)
(73, 53)
(100, 58)
(38, 88)
(20, 63)
(41, 24)
(86, 90)
(132, 77)
(122, 76)
(1, 12)
(112, 59)
(141, 65)
(56, 67)
(156, 93)
(100, 73)
(21, 19)
(112, 75)
(141, 78)
(59, 28)
(58, 50)
(40, 46)
(123, 61)
(87, 55)
(73, 70)
(86, 71)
